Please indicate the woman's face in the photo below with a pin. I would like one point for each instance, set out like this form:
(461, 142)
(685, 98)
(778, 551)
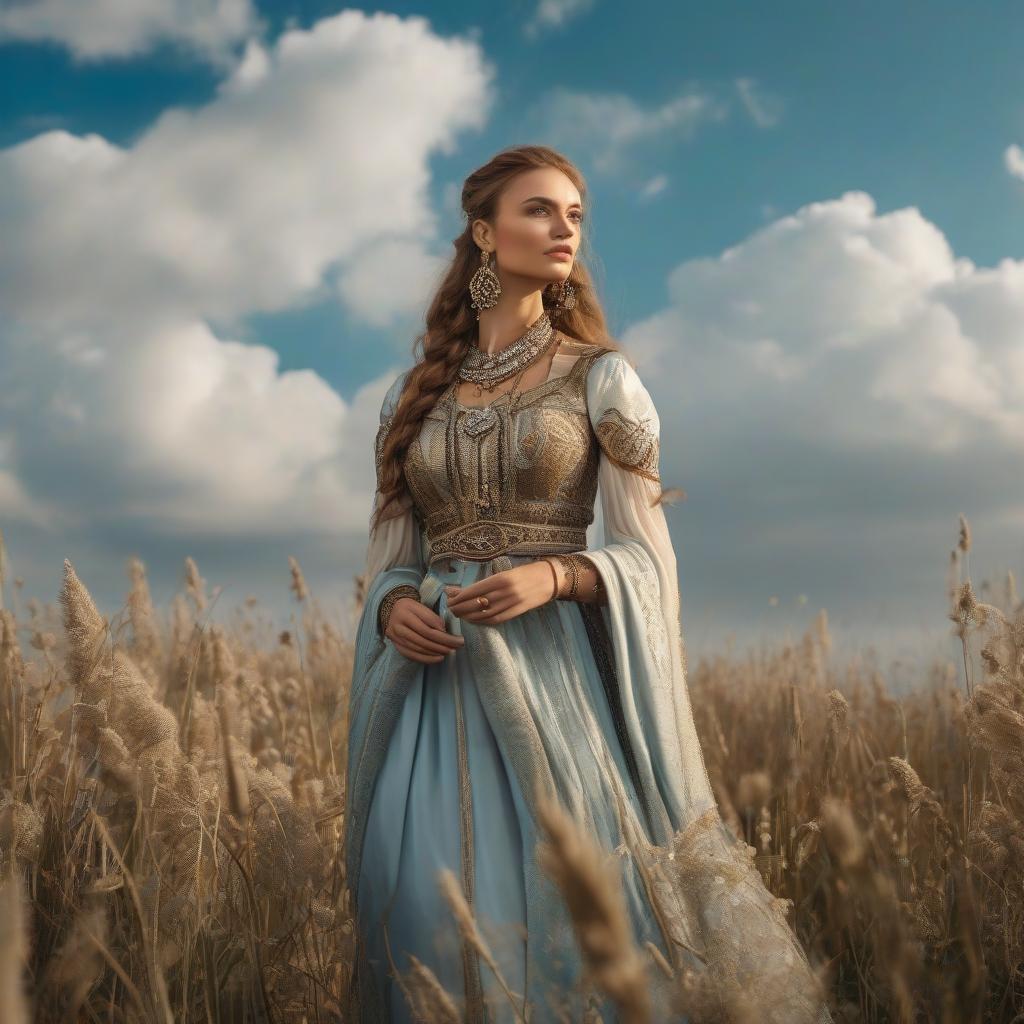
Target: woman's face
(538, 211)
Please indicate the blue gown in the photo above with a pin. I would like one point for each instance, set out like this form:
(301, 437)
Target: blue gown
(584, 702)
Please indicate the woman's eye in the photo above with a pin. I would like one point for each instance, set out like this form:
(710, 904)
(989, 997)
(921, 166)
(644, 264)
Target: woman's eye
(543, 209)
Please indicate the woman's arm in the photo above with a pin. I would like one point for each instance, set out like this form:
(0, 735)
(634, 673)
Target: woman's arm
(628, 430)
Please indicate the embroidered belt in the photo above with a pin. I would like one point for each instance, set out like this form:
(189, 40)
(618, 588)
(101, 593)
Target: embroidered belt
(488, 538)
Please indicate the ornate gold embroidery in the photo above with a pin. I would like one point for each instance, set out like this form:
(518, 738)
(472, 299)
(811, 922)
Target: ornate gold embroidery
(629, 443)
(525, 487)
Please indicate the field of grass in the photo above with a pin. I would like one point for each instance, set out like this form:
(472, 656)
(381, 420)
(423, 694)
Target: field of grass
(171, 816)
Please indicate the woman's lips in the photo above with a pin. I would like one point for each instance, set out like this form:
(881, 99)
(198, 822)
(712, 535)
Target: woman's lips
(558, 254)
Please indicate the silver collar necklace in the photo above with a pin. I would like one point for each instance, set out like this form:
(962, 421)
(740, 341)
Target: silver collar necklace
(490, 370)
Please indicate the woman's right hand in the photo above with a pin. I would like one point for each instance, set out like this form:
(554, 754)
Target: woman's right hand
(418, 632)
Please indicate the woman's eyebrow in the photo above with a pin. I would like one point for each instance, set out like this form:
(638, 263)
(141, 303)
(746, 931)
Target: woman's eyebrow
(544, 199)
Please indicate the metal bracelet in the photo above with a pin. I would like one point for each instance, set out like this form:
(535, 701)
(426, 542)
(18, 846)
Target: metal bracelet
(390, 598)
(554, 574)
(579, 561)
(573, 571)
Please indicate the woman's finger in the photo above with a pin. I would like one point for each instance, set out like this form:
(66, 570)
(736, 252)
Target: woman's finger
(412, 655)
(484, 615)
(487, 587)
(430, 640)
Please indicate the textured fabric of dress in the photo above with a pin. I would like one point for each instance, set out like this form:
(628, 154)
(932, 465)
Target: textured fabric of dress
(585, 703)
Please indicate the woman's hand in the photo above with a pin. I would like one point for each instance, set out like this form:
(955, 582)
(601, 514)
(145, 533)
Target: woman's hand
(419, 633)
(509, 593)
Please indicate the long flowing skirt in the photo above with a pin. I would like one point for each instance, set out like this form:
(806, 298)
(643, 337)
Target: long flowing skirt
(447, 797)
(445, 764)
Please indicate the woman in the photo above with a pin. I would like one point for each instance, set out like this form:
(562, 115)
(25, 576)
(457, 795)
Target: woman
(495, 662)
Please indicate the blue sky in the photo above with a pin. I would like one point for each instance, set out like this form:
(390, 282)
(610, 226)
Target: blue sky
(809, 222)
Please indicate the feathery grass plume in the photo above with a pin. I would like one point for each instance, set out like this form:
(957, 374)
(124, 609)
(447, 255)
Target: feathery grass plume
(964, 540)
(85, 629)
(285, 852)
(238, 790)
(659, 958)
(967, 608)
(993, 723)
(21, 831)
(146, 647)
(845, 840)
(14, 1004)
(838, 731)
(456, 900)
(298, 585)
(113, 695)
(996, 842)
(597, 907)
(195, 585)
(431, 1000)
(925, 809)
(807, 836)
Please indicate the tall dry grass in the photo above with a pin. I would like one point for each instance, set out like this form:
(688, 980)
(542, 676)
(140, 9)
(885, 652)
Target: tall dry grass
(171, 817)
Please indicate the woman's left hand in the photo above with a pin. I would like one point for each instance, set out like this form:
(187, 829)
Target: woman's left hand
(509, 593)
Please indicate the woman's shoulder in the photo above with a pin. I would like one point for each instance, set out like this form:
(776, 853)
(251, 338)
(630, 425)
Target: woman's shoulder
(576, 350)
(392, 395)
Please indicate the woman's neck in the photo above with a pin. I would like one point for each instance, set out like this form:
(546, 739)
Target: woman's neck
(499, 327)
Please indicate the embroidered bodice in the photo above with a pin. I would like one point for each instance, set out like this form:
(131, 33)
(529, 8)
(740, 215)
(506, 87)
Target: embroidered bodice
(521, 476)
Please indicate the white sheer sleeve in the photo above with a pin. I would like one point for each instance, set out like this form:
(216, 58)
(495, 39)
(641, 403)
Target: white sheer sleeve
(629, 486)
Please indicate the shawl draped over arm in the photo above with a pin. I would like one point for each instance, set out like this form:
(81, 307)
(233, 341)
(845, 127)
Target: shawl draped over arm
(704, 875)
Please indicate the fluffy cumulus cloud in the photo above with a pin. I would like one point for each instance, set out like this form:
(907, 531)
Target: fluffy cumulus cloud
(126, 405)
(833, 391)
(859, 329)
(100, 29)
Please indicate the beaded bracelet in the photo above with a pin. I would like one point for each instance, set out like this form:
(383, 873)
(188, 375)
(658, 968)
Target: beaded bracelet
(390, 598)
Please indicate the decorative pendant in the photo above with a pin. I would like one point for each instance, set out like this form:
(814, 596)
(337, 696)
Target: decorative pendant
(476, 422)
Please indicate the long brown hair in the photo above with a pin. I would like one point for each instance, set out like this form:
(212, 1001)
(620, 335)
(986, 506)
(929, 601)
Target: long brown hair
(451, 325)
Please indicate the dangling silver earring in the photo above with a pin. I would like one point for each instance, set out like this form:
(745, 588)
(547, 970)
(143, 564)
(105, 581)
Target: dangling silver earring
(484, 286)
(565, 299)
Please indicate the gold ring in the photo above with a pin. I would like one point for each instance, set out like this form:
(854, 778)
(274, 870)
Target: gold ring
(483, 602)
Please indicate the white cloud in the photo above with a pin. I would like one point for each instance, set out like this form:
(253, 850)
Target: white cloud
(1013, 158)
(392, 278)
(245, 203)
(100, 29)
(614, 130)
(764, 109)
(553, 14)
(855, 331)
(654, 187)
(306, 174)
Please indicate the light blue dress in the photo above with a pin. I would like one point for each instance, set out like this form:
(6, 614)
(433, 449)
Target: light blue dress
(584, 702)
